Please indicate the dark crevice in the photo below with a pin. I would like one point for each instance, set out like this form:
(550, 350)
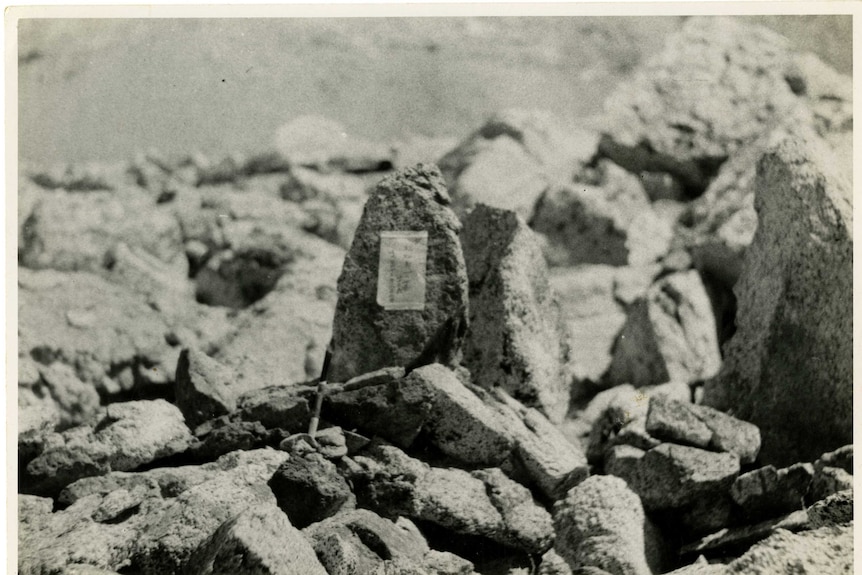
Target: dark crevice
(485, 554)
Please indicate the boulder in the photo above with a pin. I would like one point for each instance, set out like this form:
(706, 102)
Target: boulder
(286, 407)
(793, 297)
(592, 302)
(73, 232)
(841, 458)
(203, 387)
(828, 480)
(729, 538)
(822, 550)
(701, 426)
(836, 509)
(512, 158)
(768, 492)
(515, 340)
(483, 503)
(130, 434)
(601, 524)
(54, 397)
(90, 330)
(309, 489)
(669, 335)
(259, 540)
(222, 435)
(603, 216)
(149, 522)
(718, 83)
(673, 476)
(402, 293)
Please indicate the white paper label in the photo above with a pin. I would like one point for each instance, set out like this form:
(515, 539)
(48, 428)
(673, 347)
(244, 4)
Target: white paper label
(401, 277)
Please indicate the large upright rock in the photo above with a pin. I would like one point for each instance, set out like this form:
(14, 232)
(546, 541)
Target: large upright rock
(788, 368)
(403, 295)
(515, 340)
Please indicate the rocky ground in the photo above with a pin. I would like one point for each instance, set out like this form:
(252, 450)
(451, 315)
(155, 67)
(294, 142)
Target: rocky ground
(633, 356)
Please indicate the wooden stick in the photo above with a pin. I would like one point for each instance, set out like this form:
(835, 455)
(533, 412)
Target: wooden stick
(321, 390)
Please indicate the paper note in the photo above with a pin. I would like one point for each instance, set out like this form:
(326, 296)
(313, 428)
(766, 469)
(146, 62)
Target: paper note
(401, 277)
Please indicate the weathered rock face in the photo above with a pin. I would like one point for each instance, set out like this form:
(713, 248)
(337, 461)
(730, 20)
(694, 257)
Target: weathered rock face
(203, 387)
(793, 296)
(259, 540)
(416, 303)
(602, 524)
(717, 84)
(511, 159)
(515, 340)
(769, 492)
(670, 335)
(823, 550)
(484, 502)
(602, 217)
(309, 489)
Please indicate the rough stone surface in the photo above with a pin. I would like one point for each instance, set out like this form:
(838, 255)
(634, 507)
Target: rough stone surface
(592, 300)
(515, 340)
(131, 434)
(767, 492)
(203, 387)
(730, 434)
(178, 509)
(81, 320)
(309, 489)
(483, 503)
(278, 407)
(823, 550)
(365, 337)
(735, 537)
(672, 476)
(793, 297)
(841, 457)
(602, 524)
(511, 159)
(54, 397)
(674, 421)
(259, 540)
(670, 335)
(829, 480)
(602, 217)
(836, 509)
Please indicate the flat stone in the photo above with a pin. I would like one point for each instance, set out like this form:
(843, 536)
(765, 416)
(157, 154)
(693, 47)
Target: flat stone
(673, 476)
(793, 297)
(515, 340)
(768, 492)
(365, 335)
(259, 540)
(600, 524)
(278, 407)
(669, 335)
(747, 534)
(202, 387)
(674, 421)
(730, 434)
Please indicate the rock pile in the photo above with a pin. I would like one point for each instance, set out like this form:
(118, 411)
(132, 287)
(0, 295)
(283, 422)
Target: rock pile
(527, 368)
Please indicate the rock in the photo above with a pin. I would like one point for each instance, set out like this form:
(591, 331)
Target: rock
(718, 84)
(511, 159)
(179, 509)
(823, 550)
(57, 389)
(90, 330)
(130, 435)
(219, 436)
(515, 340)
(623, 460)
(829, 480)
(672, 476)
(285, 407)
(360, 541)
(592, 313)
(836, 509)
(601, 524)
(669, 335)
(483, 503)
(383, 403)
(841, 458)
(602, 217)
(675, 421)
(553, 564)
(309, 489)
(767, 492)
(701, 426)
(323, 144)
(548, 460)
(73, 232)
(203, 387)
(701, 567)
(259, 540)
(331, 442)
(736, 537)
(785, 315)
(706, 515)
(366, 335)
(282, 338)
(461, 425)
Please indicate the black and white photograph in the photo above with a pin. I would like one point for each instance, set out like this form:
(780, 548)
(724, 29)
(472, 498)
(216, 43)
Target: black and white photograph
(430, 290)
